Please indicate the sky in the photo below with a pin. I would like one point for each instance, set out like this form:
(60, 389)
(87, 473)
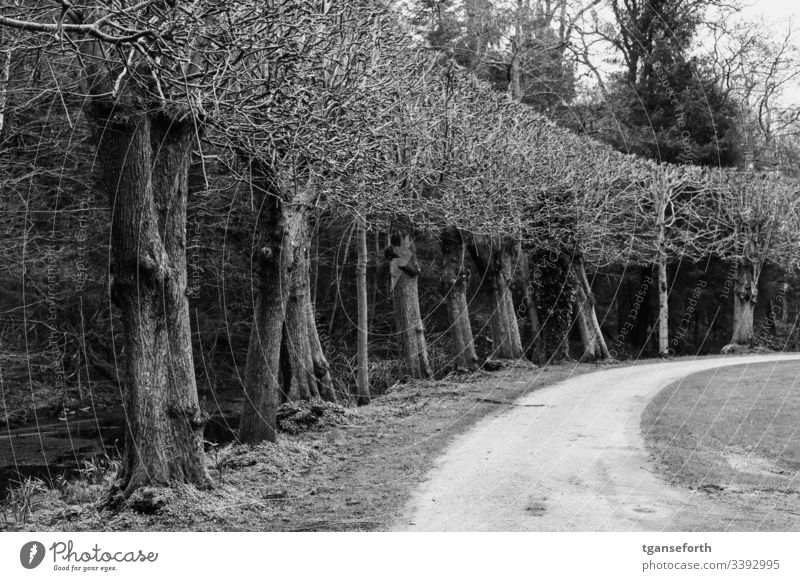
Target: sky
(779, 10)
(778, 15)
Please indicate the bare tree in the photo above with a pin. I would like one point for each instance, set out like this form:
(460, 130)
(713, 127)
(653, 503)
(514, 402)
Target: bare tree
(757, 223)
(145, 129)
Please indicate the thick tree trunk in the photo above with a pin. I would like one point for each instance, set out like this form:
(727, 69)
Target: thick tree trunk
(594, 344)
(363, 316)
(536, 348)
(172, 146)
(744, 302)
(455, 281)
(663, 307)
(405, 296)
(743, 332)
(164, 422)
(270, 263)
(310, 375)
(322, 369)
(302, 383)
(494, 262)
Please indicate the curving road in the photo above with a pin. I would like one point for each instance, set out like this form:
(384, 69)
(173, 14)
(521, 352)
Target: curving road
(568, 457)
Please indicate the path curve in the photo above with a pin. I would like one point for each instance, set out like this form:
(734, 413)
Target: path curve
(569, 457)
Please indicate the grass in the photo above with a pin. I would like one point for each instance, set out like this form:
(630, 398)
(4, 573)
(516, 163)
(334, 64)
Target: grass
(353, 474)
(733, 434)
(21, 500)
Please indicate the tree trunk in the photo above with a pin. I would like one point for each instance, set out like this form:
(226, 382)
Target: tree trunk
(139, 270)
(164, 423)
(405, 296)
(642, 315)
(5, 75)
(363, 316)
(310, 376)
(270, 263)
(301, 383)
(493, 260)
(455, 281)
(315, 267)
(172, 146)
(322, 369)
(377, 272)
(744, 302)
(663, 307)
(536, 348)
(784, 303)
(594, 344)
(624, 304)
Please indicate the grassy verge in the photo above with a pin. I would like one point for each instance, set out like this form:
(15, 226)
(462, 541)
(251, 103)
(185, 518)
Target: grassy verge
(355, 473)
(733, 434)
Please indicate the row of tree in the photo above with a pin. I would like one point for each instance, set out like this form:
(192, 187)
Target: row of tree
(302, 106)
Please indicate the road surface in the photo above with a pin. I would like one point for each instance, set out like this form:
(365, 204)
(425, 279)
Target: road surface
(569, 457)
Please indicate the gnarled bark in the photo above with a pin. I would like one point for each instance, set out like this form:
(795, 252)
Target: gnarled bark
(148, 200)
(455, 276)
(594, 344)
(172, 146)
(405, 296)
(310, 375)
(494, 262)
(261, 385)
(322, 369)
(744, 301)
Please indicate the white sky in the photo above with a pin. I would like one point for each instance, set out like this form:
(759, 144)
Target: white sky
(779, 16)
(780, 10)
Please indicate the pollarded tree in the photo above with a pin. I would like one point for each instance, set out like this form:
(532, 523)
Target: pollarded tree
(664, 211)
(411, 158)
(453, 162)
(673, 208)
(402, 170)
(143, 85)
(566, 216)
(493, 169)
(455, 273)
(478, 139)
(590, 196)
(307, 110)
(757, 216)
(539, 178)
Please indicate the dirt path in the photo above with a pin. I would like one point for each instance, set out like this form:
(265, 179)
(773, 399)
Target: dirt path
(567, 457)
